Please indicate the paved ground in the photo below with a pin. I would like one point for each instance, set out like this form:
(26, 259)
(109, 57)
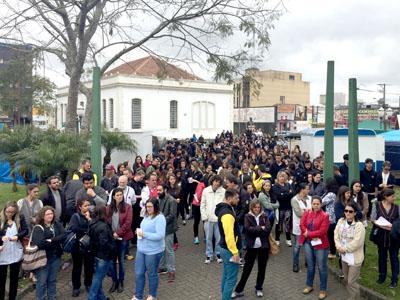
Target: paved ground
(197, 281)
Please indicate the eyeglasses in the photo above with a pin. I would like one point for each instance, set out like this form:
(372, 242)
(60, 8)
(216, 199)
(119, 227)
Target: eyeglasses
(10, 211)
(349, 211)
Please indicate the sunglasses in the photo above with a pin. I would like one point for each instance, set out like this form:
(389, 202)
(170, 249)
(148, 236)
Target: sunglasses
(349, 211)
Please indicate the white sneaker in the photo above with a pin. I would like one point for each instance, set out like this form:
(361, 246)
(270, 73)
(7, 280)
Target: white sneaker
(259, 293)
(278, 242)
(208, 260)
(219, 260)
(237, 295)
(289, 243)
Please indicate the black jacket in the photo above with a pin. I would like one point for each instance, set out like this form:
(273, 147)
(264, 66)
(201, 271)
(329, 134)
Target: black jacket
(102, 243)
(368, 180)
(22, 231)
(48, 199)
(253, 231)
(220, 210)
(168, 207)
(57, 236)
(283, 195)
(379, 180)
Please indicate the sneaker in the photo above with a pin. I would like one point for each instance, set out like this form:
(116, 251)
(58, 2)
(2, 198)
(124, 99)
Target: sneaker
(76, 292)
(162, 271)
(393, 285)
(340, 273)
(241, 262)
(380, 281)
(237, 295)
(129, 257)
(187, 217)
(296, 268)
(219, 259)
(171, 277)
(208, 260)
(184, 222)
(176, 246)
(289, 243)
(196, 241)
(278, 242)
(259, 293)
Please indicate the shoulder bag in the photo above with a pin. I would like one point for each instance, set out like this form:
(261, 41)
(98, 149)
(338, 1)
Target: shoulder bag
(33, 258)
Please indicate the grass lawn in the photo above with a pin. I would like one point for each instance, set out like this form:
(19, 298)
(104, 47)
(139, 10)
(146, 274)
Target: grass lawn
(7, 195)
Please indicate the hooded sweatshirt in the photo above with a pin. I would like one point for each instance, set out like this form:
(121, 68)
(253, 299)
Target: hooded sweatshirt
(228, 228)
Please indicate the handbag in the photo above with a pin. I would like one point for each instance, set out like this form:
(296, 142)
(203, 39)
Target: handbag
(33, 258)
(69, 242)
(273, 246)
(84, 242)
(374, 235)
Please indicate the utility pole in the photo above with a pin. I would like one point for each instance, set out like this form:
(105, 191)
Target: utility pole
(354, 170)
(383, 85)
(329, 132)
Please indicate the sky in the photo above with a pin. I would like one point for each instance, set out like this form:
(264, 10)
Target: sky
(361, 36)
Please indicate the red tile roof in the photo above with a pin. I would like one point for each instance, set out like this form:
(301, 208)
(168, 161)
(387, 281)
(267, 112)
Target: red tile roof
(151, 66)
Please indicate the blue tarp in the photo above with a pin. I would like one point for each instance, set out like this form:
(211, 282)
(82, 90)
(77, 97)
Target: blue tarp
(5, 173)
(391, 136)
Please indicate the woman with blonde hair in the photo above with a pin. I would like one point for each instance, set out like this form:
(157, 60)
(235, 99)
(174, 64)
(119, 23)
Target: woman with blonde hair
(13, 229)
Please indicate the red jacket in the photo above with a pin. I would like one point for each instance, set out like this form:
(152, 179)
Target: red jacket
(125, 222)
(199, 192)
(320, 225)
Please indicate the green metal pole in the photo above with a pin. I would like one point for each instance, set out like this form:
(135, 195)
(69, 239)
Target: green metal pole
(96, 125)
(329, 109)
(354, 170)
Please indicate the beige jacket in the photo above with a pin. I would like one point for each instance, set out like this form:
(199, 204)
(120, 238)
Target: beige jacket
(353, 239)
(209, 200)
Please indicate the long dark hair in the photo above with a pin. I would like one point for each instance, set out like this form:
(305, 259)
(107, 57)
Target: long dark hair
(156, 206)
(113, 205)
(359, 196)
(100, 213)
(354, 206)
(340, 195)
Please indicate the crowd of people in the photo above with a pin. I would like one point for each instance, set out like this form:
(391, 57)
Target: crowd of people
(243, 192)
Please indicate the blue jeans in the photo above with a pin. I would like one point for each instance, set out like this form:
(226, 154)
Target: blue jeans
(211, 229)
(146, 263)
(229, 274)
(96, 290)
(168, 259)
(296, 249)
(313, 258)
(47, 279)
(121, 250)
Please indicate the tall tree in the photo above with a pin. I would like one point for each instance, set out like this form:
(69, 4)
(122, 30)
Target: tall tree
(84, 32)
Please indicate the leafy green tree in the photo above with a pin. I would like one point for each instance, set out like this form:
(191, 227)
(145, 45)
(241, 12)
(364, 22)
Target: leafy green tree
(115, 140)
(15, 140)
(57, 153)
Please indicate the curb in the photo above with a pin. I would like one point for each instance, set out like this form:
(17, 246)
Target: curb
(364, 291)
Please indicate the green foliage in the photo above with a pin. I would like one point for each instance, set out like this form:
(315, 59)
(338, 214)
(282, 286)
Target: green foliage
(116, 140)
(43, 93)
(57, 152)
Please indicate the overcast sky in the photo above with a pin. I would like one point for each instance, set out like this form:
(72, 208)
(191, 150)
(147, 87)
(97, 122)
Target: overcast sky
(361, 36)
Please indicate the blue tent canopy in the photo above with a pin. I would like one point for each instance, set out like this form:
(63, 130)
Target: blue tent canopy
(391, 136)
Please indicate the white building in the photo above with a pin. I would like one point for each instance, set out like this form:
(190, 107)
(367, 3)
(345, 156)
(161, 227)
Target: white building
(151, 96)
(338, 99)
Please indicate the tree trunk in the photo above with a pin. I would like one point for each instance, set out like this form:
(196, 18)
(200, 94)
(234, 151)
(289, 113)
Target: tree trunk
(88, 109)
(73, 92)
(14, 177)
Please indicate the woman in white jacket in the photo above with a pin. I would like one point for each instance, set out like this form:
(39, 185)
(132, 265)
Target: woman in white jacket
(349, 241)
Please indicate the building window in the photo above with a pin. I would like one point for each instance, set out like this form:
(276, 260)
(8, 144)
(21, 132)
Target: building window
(104, 101)
(282, 99)
(246, 92)
(111, 108)
(136, 113)
(291, 77)
(173, 114)
(203, 115)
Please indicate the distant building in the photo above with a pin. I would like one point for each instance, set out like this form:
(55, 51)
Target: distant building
(11, 53)
(338, 99)
(268, 88)
(150, 96)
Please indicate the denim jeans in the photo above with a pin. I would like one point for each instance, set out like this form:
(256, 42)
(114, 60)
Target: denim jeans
(316, 258)
(168, 258)
(211, 229)
(146, 263)
(229, 274)
(121, 250)
(296, 249)
(96, 290)
(47, 279)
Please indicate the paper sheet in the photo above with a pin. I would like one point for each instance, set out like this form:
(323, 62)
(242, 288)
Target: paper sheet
(348, 258)
(316, 242)
(382, 222)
